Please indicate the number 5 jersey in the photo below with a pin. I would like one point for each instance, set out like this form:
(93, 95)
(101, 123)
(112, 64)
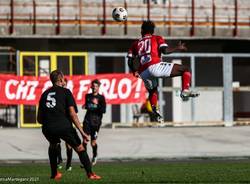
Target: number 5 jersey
(54, 107)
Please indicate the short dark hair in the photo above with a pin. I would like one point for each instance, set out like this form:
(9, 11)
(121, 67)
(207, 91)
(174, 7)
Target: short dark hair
(55, 76)
(147, 27)
(96, 81)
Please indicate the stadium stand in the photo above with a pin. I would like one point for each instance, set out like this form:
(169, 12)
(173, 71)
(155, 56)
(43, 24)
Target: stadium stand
(220, 18)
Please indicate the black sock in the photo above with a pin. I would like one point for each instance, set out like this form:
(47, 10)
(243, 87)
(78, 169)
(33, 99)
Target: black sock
(94, 148)
(84, 158)
(69, 157)
(52, 159)
(59, 154)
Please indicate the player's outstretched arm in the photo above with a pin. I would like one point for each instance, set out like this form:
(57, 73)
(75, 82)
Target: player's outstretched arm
(76, 122)
(169, 50)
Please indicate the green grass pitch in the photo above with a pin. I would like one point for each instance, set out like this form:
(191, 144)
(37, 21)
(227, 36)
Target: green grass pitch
(136, 172)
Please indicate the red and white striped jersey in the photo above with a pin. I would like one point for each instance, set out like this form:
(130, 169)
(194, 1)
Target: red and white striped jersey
(147, 49)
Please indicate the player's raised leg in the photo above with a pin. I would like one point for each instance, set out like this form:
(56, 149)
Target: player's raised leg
(185, 73)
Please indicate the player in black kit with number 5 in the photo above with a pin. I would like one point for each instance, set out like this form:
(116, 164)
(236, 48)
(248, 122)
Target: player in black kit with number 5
(56, 113)
(96, 105)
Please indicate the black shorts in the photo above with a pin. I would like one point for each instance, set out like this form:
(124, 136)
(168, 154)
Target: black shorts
(91, 130)
(69, 135)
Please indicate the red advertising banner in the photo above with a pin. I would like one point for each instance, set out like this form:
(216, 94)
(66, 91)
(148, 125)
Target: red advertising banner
(117, 88)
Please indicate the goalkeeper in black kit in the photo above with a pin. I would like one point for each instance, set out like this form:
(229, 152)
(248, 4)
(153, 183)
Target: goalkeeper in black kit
(95, 105)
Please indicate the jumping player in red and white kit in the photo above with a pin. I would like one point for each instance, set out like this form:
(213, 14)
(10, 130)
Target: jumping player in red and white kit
(144, 59)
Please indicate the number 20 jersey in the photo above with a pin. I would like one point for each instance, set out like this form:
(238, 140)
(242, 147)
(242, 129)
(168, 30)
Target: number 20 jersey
(147, 49)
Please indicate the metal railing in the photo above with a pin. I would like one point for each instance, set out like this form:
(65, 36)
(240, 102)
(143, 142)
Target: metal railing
(82, 13)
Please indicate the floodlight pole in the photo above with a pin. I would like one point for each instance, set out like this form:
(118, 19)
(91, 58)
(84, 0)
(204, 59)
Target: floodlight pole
(192, 32)
(34, 17)
(58, 17)
(235, 32)
(11, 28)
(148, 9)
(213, 18)
(169, 17)
(104, 17)
(80, 17)
(125, 22)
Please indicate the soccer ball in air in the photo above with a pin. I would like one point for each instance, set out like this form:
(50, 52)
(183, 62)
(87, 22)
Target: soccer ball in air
(120, 14)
